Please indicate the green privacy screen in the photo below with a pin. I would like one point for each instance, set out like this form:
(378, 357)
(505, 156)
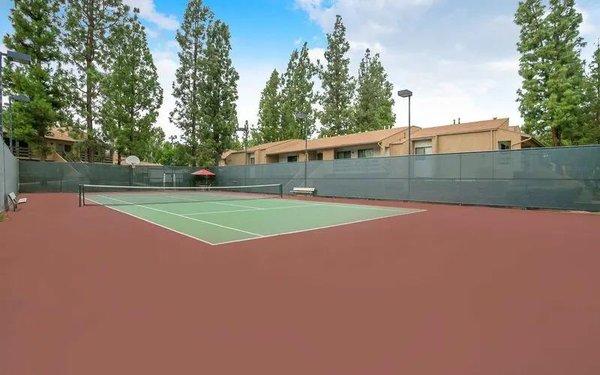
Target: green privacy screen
(9, 174)
(564, 178)
(38, 176)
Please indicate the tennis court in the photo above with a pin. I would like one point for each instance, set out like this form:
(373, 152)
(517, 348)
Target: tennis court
(229, 214)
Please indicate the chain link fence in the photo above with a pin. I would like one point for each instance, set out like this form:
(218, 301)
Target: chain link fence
(9, 175)
(36, 176)
(563, 178)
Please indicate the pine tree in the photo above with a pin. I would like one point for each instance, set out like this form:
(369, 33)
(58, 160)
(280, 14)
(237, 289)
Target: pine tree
(36, 33)
(219, 94)
(338, 86)
(565, 72)
(373, 108)
(269, 112)
(130, 91)
(297, 96)
(191, 38)
(532, 96)
(88, 26)
(591, 129)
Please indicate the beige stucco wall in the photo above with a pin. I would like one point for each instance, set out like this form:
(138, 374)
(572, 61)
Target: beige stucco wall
(464, 142)
(235, 159)
(399, 149)
(506, 135)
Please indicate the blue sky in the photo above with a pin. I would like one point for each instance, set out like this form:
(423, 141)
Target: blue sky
(458, 56)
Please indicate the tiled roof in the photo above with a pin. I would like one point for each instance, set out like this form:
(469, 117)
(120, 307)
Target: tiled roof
(356, 139)
(60, 134)
(260, 147)
(467, 127)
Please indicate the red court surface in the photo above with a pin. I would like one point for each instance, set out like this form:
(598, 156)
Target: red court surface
(453, 290)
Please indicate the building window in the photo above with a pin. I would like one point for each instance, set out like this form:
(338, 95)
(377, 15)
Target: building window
(423, 150)
(504, 145)
(343, 154)
(252, 160)
(366, 153)
(319, 156)
(292, 159)
(67, 148)
(423, 147)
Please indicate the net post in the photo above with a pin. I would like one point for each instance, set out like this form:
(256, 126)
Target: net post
(83, 195)
(79, 187)
(280, 190)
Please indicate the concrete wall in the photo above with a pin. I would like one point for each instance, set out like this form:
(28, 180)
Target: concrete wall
(9, 175)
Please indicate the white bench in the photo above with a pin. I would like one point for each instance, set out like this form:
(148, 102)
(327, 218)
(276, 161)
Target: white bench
(304, 191)
(16, 201)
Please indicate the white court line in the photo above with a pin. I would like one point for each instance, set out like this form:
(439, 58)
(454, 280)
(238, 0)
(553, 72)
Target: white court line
(153, 223)
(412, 211)
(184, 200)
(252, 209)
(405, 211)
(185, 217)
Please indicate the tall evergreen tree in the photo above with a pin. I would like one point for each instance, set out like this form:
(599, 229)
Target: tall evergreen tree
(338, 85)
(553, 88)
(219, 94)
(87, 29)
(532, 96)
(298, 96)
(374, 102)
(269, 112)
(565, 72)
(191, 38)
(591, 129)
(130, 91)
(35, 32)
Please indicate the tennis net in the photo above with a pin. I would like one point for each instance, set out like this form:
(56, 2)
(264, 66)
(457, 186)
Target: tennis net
(110, 195)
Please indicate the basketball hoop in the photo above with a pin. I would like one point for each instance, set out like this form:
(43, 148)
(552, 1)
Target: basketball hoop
(133, 161)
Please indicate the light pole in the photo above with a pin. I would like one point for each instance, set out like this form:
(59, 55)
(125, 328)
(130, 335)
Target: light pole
(11, 99)
(245, 129)
(300, 117)
(17, 57)
(407, 94)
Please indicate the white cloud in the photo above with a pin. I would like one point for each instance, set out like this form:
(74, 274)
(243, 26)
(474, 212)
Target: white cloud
(316, 54)
(149, 13)
(166, 64)
(587, 26)
(457, 63)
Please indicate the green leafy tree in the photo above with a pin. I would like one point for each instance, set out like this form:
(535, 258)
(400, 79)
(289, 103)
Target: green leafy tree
(566, 81)
(35, 32)
(298, 96)
(87, 30)
(269, 112)
(374, 102)
(171, 152)
(131, 93)
(553, 90)
(591, 129)
(338, 85)
(218, 90)
(187, 88)
(532, 96)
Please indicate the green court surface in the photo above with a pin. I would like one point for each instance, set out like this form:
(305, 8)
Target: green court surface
(218, 222)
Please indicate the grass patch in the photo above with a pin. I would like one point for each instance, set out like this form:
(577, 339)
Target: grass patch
(2, 216)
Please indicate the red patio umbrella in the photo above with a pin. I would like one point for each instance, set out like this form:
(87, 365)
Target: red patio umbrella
(204, 173)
